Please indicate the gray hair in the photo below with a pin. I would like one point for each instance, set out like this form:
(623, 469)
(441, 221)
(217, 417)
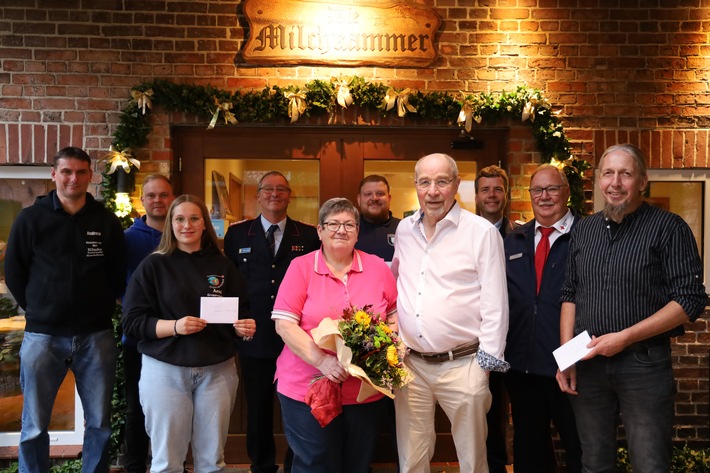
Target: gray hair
(452, 164)
(337, 205)
(633, 151)
(545, 166)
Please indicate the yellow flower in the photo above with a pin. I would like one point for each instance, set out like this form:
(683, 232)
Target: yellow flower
(392, 355)
(362, 318)
(386, 328)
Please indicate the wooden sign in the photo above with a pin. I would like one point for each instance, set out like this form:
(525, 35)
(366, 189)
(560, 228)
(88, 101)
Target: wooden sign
(340, 33)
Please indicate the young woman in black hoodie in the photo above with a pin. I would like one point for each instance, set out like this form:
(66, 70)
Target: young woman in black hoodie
(188, 379)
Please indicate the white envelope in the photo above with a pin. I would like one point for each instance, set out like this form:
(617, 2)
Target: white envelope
(219, 310)
(572, 351)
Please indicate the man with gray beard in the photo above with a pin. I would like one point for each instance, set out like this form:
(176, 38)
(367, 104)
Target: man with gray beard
(634, 277)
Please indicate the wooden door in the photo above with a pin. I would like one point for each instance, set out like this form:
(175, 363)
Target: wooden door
(342, 152)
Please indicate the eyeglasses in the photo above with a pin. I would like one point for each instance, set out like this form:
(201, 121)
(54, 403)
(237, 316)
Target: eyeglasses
(349, 227)
(439, 183)
(277, 189)
(194, 220)
(551, 191)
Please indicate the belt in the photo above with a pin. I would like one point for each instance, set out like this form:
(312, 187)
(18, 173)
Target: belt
(458, 352)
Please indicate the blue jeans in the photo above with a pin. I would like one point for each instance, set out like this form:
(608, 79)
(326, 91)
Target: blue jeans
(185, 404)
(44, 362)
(639, 383)
(345, 445)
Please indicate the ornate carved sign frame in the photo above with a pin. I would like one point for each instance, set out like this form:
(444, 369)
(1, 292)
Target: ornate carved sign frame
(391, 33)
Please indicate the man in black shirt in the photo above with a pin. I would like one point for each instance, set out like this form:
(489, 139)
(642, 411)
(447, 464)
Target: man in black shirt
(376, 236)
(634, 277)
(377, 225)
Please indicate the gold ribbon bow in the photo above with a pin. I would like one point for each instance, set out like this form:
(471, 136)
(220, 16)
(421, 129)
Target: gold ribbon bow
(466, 114)
(296, 105)
(400, 99)
(122, 159)
(342, 87)
(531, 106)
(142, 99)
(226, 109)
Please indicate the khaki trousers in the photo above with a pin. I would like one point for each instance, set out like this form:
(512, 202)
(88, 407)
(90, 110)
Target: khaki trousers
(461, 388)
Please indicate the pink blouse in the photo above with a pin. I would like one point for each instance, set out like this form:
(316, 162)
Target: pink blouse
(309, 293)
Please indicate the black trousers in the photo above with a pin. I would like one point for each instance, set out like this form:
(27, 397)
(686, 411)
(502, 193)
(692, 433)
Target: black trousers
(259, 389)
(135, 439)
(536, 401)
(497, 419)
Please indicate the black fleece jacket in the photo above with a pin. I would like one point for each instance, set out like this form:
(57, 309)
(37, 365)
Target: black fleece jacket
(66, 271)
(170, 287)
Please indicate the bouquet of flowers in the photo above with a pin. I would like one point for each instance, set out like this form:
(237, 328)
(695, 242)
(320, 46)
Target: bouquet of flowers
(369, 349)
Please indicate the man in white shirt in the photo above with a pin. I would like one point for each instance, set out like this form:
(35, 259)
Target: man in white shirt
(450, 271)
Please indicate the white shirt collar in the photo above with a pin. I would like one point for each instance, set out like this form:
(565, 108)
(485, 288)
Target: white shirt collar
(562, 226)
(266, 224)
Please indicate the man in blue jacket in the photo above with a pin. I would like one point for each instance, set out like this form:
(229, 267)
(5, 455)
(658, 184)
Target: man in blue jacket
(142, 238)
(65, 267)
(262, 249)
(536, 255)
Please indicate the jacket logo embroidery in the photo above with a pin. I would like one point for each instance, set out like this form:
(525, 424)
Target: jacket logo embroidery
(215, 281)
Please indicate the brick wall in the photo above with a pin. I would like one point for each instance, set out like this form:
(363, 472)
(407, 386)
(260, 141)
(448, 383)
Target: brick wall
(617, 70)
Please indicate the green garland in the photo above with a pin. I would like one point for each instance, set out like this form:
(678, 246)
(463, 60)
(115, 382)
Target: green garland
(319, 97)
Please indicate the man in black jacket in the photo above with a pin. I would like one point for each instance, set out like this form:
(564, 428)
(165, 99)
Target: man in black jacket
(262, 249)
(536, 254)
(65, 267)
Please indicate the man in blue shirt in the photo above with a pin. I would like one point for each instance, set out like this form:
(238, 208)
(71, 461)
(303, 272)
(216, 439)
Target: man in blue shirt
(142, 238)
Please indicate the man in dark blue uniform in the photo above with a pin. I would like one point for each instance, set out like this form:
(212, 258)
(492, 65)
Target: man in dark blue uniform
(262, 249)
(377, 225)
(491, 199)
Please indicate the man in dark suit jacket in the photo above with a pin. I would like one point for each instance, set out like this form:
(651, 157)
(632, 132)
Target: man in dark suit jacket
(491, 199)
(247, 244)
(534, 294)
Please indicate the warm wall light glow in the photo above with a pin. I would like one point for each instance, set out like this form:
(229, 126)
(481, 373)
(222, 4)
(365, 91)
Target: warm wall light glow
(123, 204)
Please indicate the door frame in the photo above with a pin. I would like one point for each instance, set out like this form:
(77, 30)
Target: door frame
(342, 152)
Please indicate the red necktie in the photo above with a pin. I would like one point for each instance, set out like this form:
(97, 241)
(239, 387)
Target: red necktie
(541, 252)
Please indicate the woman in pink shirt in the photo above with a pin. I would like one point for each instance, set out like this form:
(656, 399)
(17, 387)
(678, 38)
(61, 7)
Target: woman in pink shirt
(318, 285)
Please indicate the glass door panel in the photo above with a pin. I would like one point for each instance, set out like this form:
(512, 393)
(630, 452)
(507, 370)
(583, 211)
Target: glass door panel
(231, 187)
